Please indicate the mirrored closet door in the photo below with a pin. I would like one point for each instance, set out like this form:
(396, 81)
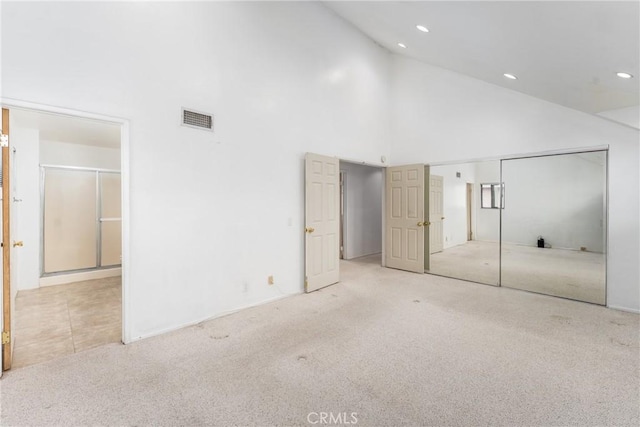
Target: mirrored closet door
(463, 234)
(535, 223)
(554, 225)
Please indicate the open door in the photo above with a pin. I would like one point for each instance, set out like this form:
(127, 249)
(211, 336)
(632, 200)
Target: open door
(322, 221)
(405, 218)
(6, 245)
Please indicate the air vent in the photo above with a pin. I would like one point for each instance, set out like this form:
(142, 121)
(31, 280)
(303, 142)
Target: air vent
(196, 119)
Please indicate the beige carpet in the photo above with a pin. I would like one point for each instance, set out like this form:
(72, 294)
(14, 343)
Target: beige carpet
(395, 348)
(559, 272)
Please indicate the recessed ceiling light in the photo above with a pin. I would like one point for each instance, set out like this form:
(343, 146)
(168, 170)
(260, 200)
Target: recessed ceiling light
(402, 45)
(422, 28)
(510, 76)
(624, 75)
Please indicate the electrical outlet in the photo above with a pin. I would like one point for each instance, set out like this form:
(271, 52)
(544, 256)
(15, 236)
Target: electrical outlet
(270, 279)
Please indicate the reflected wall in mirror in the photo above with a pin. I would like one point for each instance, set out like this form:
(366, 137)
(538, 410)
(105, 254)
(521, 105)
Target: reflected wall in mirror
(554, 225)
(463, 239)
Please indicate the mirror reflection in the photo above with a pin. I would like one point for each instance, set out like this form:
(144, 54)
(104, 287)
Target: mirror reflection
(553, 225)
(463, 234)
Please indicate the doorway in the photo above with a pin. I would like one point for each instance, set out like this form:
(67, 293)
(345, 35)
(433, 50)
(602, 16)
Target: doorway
(343, 217)
(361, 214)
(67, 282)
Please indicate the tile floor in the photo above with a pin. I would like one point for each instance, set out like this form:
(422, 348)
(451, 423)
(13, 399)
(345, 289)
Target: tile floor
(58, 320)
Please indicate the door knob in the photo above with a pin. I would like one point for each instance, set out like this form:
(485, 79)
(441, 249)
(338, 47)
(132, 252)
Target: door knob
(420, 224)
(309, 229)
(19, 243)
(426, 223)
(442, 218)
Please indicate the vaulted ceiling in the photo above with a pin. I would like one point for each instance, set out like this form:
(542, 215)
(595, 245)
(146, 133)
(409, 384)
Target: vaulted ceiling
(566, 52)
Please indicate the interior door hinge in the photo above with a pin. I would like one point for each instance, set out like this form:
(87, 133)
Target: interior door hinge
(4, 140)
(6, 337)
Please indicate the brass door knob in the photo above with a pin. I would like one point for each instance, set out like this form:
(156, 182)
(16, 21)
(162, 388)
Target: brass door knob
(442, 218)
(309, 229)
(19, 243)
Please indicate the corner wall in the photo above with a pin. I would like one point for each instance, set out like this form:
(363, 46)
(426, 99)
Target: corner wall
(442, 116)
(212, 214)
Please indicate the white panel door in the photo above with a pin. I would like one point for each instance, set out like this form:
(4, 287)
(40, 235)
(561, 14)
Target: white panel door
(405, 218)
(436, 214)
(322, 221)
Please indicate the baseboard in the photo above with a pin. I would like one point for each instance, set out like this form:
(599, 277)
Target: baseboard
(628, 310)
(206, 319)
(62, 279)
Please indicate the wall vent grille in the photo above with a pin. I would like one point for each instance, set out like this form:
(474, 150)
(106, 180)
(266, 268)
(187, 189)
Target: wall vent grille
(197, 120)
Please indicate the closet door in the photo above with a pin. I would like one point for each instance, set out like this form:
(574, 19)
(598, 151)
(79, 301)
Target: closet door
(553, 225)
(70, 231)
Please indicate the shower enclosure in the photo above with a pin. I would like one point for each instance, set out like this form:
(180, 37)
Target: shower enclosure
(80, 219)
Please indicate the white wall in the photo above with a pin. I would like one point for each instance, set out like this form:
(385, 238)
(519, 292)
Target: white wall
(560, 198)
(441, 116)
(455, 201)
(363, 213)
(281, 79)
(26, 218)
(66, 154)
(212, 214)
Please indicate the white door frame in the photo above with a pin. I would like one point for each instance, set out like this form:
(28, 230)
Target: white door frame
(125, 176)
